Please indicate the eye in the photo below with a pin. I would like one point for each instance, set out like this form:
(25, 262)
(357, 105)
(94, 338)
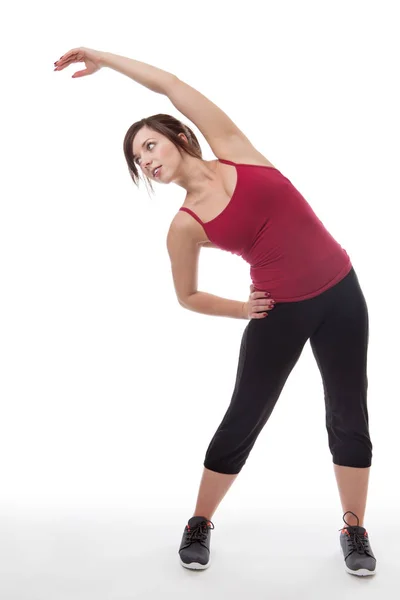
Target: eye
(148, 144)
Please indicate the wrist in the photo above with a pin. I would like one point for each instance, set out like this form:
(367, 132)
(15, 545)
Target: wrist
(102, 57)
(245, 311)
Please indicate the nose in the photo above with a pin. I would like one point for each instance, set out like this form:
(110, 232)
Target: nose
(148, 164)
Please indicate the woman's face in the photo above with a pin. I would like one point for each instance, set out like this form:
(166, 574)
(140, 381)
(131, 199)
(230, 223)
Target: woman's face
(152, 149)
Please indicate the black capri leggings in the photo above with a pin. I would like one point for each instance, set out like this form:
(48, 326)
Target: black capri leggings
(336, 323)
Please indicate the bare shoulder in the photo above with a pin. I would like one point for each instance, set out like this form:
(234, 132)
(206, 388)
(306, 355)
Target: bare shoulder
(184, 231)
(185, 227)
(187, 230)
(184, 222)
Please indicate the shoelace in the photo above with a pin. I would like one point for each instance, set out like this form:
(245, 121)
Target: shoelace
(198, 532)
(358, 542)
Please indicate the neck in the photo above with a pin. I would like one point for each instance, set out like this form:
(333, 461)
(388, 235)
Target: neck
(198, 176)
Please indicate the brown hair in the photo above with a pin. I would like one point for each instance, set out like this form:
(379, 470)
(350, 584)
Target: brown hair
(167, 126)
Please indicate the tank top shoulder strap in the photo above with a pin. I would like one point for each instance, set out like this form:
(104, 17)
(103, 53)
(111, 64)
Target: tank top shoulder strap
(223, 160)
(192, 213)
(229, 162)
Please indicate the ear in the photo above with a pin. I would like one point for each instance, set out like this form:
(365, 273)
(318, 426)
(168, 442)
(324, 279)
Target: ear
(183, 137)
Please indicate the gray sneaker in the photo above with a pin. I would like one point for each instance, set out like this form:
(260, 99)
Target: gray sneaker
(356, 548)
(194, 550)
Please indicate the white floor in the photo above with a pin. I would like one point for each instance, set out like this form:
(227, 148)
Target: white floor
(135, 556)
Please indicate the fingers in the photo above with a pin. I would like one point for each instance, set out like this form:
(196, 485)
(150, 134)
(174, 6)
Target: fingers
(65, 61)
(259, 304)
(263, 308)
(60, 65)
(68, 58)
(70, 53)
(81, 73)
(258, 297)
(264, 302)
(260, 314)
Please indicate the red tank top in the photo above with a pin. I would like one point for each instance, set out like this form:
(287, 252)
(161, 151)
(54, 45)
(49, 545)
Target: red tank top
(273, 228)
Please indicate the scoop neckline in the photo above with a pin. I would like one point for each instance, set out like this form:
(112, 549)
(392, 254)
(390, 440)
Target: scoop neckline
(203, 223)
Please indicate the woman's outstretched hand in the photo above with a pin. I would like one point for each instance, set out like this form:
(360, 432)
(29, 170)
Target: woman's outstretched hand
(91, 58)
(257, 305)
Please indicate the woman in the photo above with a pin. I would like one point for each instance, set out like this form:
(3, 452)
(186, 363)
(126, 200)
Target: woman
(242, 204)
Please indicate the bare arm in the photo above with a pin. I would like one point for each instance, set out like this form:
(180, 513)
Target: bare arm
(221, 133)
(155, 79)
(219, 130)
(208, 304)
(184, 252)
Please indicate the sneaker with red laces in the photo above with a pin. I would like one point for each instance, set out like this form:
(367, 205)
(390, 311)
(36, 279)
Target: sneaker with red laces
(194, 550)
(358, 556)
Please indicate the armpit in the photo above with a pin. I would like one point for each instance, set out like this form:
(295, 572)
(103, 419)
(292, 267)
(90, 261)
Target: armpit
(208, 245)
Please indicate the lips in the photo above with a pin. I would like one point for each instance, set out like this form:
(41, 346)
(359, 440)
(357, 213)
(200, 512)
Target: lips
(155, 169)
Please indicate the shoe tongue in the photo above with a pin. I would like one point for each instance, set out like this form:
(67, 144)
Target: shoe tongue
(356, 529)
(196, 520)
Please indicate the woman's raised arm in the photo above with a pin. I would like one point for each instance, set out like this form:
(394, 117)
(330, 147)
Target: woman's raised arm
(218, 129)
(155, 79)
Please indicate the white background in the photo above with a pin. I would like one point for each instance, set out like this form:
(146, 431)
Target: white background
(110, 390)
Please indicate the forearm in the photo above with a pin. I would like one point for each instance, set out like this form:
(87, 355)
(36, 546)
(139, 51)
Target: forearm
(153, 78)
(215, 305)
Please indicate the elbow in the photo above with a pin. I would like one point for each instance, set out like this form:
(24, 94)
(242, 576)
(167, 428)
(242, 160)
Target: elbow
(185, 302)
(169, 84)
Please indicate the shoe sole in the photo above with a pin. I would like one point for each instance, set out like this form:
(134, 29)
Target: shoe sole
(195, 566)
(360, 572)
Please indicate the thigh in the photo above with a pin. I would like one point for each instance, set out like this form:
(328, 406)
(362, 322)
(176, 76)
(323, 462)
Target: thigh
(340, 346)
(269, 350)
